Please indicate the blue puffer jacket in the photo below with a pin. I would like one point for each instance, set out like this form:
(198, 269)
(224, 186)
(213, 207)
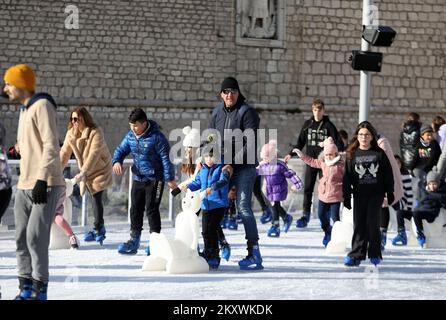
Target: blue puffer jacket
(214, 178)
(150, 154)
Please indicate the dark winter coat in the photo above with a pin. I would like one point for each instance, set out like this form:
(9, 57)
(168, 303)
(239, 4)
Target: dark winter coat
(409, 137)
(313, 133)
(427, 155)
(275, 177)
(150, 154)
(243, 117)
(212, 177)
(432, 201)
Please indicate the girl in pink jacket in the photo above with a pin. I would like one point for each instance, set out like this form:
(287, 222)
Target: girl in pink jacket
(330, 185)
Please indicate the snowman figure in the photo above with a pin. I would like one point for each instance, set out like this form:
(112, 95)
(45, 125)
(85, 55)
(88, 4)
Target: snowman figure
(179, 255)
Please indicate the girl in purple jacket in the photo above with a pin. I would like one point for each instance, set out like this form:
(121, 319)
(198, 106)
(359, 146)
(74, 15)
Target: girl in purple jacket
(276, 172)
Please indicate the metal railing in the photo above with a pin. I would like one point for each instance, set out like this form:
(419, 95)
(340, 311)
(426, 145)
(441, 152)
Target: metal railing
(84, 208)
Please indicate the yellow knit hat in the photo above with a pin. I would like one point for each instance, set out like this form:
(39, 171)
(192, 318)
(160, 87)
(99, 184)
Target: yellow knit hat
(22, 77)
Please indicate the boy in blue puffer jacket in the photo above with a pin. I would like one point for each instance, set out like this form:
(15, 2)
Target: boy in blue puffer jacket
(151, 169)
(215, 181)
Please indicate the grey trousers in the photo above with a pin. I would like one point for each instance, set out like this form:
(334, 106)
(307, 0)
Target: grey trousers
(33, 226)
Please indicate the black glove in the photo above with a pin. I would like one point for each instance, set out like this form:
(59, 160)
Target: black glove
(390, 198)
(348, 203)
(175, 191)
(39, 192)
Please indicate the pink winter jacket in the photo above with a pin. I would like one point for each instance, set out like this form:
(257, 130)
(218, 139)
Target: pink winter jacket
(330, 185)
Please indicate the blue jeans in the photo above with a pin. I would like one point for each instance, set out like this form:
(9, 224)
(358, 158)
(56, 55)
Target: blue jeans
(243, 179)
(327, 210)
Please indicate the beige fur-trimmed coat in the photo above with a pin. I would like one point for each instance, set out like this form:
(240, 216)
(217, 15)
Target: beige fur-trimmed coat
(92, 155)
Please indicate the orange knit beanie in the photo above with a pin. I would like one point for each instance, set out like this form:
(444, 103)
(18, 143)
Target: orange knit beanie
(22, 77)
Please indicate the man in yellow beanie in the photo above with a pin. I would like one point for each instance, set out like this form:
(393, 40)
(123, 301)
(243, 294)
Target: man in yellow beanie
(40, 182)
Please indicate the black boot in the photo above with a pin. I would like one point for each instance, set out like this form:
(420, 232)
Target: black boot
(25, 287)
(39, 290)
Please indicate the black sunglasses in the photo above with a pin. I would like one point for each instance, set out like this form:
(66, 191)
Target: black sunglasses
(74, 119)
(228, 91)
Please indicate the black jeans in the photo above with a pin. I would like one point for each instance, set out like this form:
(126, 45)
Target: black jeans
(385, 217)
(278, 211)
(310, 180)
(419, 216)
(5, 197)
(264, 203)
(366, 222)
(98, 210)
(210, 224)
(146, 196)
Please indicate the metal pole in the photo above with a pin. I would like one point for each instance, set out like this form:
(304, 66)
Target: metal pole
(130, 194)
(366, 77)
(84, 210)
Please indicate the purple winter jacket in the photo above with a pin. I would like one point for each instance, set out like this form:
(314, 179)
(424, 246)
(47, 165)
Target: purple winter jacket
(276, 183)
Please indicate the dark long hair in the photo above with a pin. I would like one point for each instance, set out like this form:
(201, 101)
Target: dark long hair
(354, 143)
(88, 119)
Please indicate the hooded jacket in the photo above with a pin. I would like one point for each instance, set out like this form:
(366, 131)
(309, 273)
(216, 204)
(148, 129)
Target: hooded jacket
(39, 143)
(409, 137)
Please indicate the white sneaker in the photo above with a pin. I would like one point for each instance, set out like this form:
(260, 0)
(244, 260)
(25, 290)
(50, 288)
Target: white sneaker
(74, 242)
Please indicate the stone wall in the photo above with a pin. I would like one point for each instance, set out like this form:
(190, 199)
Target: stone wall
(169, 57)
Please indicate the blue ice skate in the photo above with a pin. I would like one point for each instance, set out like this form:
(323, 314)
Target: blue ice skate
(400, 239)
(375, 261)
(383, 240)
(39, 290)
(327, 238)
(131, 246)
(147, 250)
(225, 251)
(232, 224)
(100, 235)
(351, 262)
(274, 231)
(287, 223)
(25, 286)
(303, 221)
(252, 261)
(421, 238)
(267, 215)
(213, 263)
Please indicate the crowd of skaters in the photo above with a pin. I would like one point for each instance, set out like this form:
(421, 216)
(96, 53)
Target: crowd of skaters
(363, 169)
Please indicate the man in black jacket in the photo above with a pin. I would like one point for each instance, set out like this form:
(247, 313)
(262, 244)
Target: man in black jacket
(314, 131)
(237, 124)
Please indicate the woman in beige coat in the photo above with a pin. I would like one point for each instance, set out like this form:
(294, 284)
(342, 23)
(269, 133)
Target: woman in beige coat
(86, 140)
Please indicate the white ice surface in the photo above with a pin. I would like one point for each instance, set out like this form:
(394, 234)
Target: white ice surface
(296, 267)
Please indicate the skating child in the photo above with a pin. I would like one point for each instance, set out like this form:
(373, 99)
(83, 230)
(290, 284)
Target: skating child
(215, 181)
(190, 167)
(368, 177)
(433, 197)
(276, 172)
(60, 221)
(404, 206)
(330, 184)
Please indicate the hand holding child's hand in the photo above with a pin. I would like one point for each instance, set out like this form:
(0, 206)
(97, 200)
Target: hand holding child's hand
(183, 187)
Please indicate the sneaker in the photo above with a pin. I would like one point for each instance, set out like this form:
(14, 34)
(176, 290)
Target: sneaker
(253, 261)
(267, 215)
(375, 261)
(351, 262)
(303, 221)
(274, 231)
(400, 239)
(74, 242)
(287, 223)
